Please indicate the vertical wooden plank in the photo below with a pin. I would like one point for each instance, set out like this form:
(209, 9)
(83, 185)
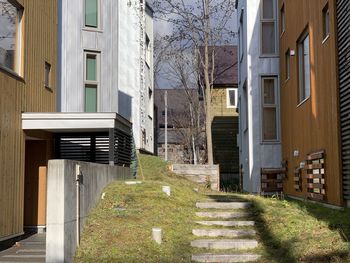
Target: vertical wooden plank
(314, 124)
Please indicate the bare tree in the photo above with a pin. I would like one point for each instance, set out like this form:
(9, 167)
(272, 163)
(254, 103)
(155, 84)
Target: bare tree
(197, 26)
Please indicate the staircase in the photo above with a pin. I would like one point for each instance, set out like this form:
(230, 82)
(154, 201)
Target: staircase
(224, 227)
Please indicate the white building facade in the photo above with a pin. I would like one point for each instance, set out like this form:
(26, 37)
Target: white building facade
(101, 61)
(259, 98)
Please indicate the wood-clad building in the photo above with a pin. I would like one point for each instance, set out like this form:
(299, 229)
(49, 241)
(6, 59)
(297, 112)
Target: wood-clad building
(343, 37)
(28, 58)
(223, 110)
(310, 100)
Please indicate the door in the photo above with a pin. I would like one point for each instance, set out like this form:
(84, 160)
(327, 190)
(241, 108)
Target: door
(35, 183)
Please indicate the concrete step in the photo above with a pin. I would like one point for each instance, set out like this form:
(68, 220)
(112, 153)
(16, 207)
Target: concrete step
(226, 223)
(224, 215)
(133, 182)
(223, 205)
(204, 172)
(222, 233)
(225, 243)
(225, 258)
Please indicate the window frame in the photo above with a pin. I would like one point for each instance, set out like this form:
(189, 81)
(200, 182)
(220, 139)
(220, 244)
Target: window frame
(92, 82)
(301, 68)
(99, 19)
(241, 36)
(228, 105)
(274, 105)
(246, 114)
(18, 70)
(48, 77)
(326, 28)
(268, 20)
(287, 65)
(283, 20)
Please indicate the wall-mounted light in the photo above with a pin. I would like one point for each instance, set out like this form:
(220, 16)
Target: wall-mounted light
(296, 153)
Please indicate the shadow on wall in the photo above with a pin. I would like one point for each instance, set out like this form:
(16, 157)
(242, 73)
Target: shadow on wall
(125, 105)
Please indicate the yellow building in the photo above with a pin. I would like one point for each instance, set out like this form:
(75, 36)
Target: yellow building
(224, 114)
(28, 58)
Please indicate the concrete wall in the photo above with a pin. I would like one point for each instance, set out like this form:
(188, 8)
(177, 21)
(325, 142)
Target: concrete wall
(199, 174)
(61, 238)
(255, 154)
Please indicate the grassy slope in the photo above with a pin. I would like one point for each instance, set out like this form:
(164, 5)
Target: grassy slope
(288, 231)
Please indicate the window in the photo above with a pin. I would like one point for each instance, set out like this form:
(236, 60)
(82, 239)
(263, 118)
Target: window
(241, 36)
(268, 25)
(304, 67)
(231, 98)
(150, 102)
(91, 81)
(92, 13)
(11, 36)
(287, 64)
(269, 108)
(162, 126)
(245, 120)
(325, 18)
(148, 51)
(283, 20)
(47, 75)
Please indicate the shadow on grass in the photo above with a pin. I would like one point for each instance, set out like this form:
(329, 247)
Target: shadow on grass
(277, 250)
(336, 219)
(281, 250)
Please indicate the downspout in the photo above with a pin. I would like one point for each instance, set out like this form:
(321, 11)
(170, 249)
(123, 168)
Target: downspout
(77, 180)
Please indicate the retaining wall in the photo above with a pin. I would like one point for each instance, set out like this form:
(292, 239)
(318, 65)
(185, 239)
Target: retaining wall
(199, 174)
(61, 230)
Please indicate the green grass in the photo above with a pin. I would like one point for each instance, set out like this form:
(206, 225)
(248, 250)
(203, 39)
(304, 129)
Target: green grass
(288, 231)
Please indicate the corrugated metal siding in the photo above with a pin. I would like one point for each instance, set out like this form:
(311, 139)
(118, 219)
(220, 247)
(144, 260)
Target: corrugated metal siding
(343, 27)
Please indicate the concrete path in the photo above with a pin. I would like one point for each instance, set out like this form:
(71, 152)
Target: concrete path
(30, 249)
(231, 231)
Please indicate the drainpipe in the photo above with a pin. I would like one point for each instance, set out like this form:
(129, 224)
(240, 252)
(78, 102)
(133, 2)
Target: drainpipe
(77, 180)
(166, 125)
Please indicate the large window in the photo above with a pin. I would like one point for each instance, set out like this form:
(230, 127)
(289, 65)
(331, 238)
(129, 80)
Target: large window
(231, 98)
(10, 36)
(268, 27)
(91, 81)
(92, 13)
(304, 67)
(269, 108)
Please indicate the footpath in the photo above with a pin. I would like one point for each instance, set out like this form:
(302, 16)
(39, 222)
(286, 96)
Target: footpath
(224, 233)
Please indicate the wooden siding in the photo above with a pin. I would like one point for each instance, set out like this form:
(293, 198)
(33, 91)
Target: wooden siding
(343, 22)
(313, 125)
(219, 103)
(24, 95)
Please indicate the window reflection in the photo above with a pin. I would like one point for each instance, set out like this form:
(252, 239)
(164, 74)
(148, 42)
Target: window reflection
(8, 35)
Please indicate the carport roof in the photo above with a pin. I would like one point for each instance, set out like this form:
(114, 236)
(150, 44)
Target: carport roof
(73, 122)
